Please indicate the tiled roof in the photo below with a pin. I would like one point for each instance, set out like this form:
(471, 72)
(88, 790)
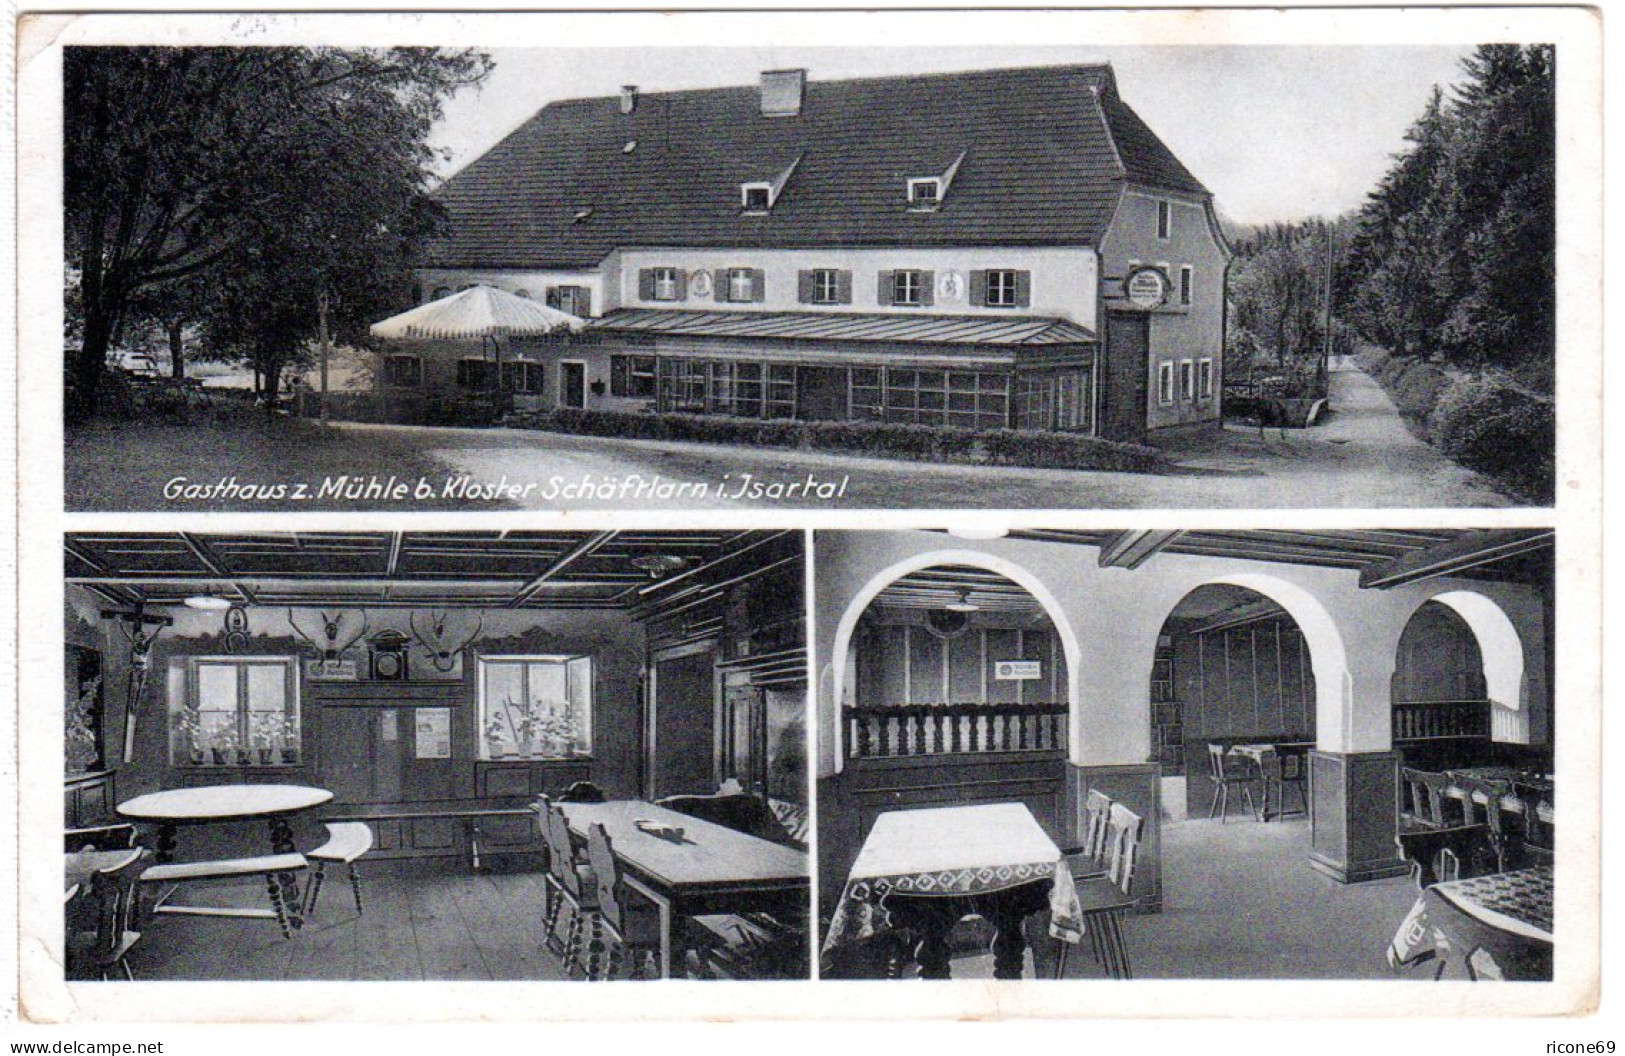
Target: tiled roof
(849, 326)
(1038, 169)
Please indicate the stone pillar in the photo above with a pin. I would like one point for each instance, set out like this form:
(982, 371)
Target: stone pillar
(1354, 803)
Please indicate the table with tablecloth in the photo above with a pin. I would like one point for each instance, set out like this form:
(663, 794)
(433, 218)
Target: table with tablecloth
(1499, 925)
(921, 871)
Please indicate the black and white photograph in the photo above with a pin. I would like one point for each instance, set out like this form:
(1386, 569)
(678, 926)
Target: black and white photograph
(1199, 754)
(831, 278)
(435, 755)
(909, 521)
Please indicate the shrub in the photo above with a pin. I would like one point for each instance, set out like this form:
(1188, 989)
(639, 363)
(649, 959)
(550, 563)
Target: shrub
(1488, 425)
(881, 439)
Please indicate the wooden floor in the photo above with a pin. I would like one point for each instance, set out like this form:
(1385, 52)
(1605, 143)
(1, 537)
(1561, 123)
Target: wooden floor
(423, 920)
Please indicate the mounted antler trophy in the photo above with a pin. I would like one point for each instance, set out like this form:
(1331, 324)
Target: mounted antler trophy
(135, 627)
(443, 638)
(337, 632)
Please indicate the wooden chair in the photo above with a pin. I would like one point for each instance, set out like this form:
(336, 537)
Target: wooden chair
(582, 792)
(1089, 858)
(1455, 853)
(740, 811)
(1104, 900)
(1431, 806)
(113, 905)
(620, 932)
(572, 889)
(346, 842)
(1223, 776)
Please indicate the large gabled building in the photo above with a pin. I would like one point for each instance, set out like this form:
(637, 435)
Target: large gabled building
(1002, 248)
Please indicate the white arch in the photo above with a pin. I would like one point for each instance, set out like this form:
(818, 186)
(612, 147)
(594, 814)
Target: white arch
(1334, 687)
(886, 577)
(1501, 651)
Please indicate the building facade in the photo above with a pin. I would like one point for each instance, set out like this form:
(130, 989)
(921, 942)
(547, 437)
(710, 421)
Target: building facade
(999, 249)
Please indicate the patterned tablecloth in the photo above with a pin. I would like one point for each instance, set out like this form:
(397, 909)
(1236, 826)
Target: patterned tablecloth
(952, 852)
(1518, 903)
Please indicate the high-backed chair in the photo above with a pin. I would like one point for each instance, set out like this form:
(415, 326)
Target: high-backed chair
(1104, 900)
(572, 888)
(112, 906)
(582, 792)
(1454, 853)
(620, 932)
(346, 842)
(1224, 774)
(1431, 806)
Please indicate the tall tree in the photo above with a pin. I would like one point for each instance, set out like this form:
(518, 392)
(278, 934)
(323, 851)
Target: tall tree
(177, 159)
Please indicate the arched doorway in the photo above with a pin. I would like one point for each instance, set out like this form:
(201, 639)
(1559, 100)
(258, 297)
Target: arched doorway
(1233, 667)
(1458, 686)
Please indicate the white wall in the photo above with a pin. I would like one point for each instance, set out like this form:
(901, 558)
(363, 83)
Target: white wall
(1115, 615)
(1064, 280)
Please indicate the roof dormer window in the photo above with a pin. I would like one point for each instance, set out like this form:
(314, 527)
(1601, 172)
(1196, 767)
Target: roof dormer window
(756, 197)
(925, 195)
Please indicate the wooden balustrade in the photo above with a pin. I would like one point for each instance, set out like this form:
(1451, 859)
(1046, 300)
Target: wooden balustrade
(892, 730)
(1425, 720)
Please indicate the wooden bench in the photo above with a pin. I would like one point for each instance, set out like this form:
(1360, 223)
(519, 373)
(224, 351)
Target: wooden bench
(470, 817)
(271, 866)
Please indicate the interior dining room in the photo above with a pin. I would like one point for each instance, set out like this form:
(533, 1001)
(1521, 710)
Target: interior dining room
(465, 755)
(1211, 754)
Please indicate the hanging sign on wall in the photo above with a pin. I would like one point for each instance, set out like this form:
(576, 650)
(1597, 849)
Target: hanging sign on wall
(1018, 670)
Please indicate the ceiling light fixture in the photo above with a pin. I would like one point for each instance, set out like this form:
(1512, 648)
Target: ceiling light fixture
(963, 604)
(658, 565)
(207, 603)
(979, 534)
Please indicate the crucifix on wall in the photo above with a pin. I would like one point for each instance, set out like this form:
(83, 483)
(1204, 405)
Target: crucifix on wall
(141, 630)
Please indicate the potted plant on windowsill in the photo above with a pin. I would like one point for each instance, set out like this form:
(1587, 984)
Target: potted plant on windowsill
(189, 735)
(80, 730)
(224, 750)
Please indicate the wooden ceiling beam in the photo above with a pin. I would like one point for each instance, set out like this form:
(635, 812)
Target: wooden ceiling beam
(1465, 552)
(1135, 548)
(564, 561)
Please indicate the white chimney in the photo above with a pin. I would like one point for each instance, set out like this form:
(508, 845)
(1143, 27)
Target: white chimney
(782, 92)
(629, 98)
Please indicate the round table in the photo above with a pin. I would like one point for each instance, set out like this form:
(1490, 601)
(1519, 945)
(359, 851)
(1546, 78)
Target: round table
(213, 804)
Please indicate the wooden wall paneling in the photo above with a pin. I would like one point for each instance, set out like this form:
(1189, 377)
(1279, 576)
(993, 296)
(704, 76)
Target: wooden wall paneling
(892, 645)
(925, 667)
(967, 673)
(1267, 678)
(1002, 644)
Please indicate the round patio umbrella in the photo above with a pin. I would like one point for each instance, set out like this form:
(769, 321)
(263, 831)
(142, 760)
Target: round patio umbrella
(477, 312)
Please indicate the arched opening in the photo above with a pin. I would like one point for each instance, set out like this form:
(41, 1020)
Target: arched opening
(1234, 672)
(954, 660)
(843, 675)
(1458, 687)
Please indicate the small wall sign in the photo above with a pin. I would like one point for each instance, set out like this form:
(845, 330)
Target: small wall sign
(330, 670)
(699, 284)
(1017, 670)
(951, 287)
(1146, 287)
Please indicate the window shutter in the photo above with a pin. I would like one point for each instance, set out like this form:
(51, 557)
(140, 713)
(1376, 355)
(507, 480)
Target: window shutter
(843, 287)
(583, 301)
(552, 297)
(883, 296)
(758, 284)
(682, 285)
(978, 289)
(1024, 289)
(618, 376)
(928, 288)
(646, 284)
(719, 284)
(804, 287)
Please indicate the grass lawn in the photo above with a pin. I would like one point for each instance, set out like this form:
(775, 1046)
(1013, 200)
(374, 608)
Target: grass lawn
(264, 460)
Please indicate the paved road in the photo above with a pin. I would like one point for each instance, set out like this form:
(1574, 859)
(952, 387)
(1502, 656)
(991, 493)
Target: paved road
(1362, 456)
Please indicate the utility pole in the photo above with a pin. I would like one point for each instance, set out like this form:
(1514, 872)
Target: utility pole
(327, 346)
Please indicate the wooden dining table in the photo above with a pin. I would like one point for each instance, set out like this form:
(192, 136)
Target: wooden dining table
(1261, 756)
(708, 869)
(921, 871)
(218, 804)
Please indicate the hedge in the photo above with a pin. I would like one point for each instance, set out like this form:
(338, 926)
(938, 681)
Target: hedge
(1487, 425)
(1010, 447)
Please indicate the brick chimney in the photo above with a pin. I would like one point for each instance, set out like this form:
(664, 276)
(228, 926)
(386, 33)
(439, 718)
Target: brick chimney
(782, 92)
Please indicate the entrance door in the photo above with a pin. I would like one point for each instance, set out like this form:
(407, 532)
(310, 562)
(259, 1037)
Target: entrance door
(821, 393)
(1127, 376)
(572, 384)
(682, 726)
